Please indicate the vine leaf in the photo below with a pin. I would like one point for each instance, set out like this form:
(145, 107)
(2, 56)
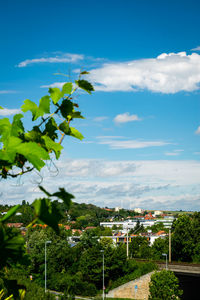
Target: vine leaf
(66, 108)
(33, 153)
(85, 85)
(67, 88)
(64, 127)
(47, 212)
(75, 133)
(65, 196)
(10, 213)
(55, 94)
(44, 107)
(30, 106)
(52, 146)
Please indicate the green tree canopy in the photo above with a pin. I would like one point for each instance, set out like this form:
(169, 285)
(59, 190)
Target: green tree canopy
(164, 286)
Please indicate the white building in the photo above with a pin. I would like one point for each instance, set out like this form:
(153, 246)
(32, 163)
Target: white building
(158, 213)
(139, 210)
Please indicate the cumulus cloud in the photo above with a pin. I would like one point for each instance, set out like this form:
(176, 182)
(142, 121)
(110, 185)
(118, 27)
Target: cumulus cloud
(167, 73)
(198, 130)
(147, 184)
(196, 49)
(114, 143)
(126, 117)
(9, 112)
(61, 58)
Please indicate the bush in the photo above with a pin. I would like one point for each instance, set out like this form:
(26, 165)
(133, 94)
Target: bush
(164, 285)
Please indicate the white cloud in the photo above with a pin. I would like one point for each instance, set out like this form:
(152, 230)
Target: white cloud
(8, 92)
(126, 117)
(130, 144)
(167, 73)
(174, 153)
(55, 84)
(9, 112)
(198, 130)
(100, 119)
(147, 184)
(62, 58)
(196, 49)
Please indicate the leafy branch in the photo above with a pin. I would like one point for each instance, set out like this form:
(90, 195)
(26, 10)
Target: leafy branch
(28, 150)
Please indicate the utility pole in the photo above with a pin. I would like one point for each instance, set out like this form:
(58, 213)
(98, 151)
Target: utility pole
(127, 243)
(170, 244)
(45, 265)
(103, 274)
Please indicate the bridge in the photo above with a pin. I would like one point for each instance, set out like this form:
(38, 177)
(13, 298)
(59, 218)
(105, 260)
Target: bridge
(181, 268)
(188, 274)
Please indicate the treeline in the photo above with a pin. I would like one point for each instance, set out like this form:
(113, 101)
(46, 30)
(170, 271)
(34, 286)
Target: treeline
(75, 269)
(78, 216)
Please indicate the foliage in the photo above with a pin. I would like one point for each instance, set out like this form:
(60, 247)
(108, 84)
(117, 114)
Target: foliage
(186, 238)
(164, 285)
(140, 247)
(159, 247)
(133, 270)
(24, 150)
(17, 277)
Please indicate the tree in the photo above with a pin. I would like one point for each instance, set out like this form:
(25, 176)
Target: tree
(139, 247)
(159, 247)
(164, 285)
(182, 239)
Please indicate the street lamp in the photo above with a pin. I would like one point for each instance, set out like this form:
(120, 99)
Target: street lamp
(164, 254)
(103, 272)
(45, 264)
(126, 227)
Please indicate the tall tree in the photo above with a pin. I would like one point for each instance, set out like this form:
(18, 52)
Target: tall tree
(164, 285)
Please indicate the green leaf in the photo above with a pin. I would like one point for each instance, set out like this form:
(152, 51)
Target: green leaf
(50, 129)
(67, 88)
(52, 146)
(10, 213)
(55, 94)
(85, 85)
(44, 191)
(75, 133)
(34, 153)
(9, 151)
(66, 108)
(77, 115)
(47, 212)
(84, 73)
(65, 196)
(1, 107)
(30, 106)
(5, 127)
(64, 127)
(17, 125)
(34, 135)
(44, 106)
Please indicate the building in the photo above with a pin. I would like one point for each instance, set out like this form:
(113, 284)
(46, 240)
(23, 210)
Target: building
(139, 210)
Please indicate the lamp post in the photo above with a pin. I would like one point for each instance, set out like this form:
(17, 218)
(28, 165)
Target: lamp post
(102, 251)
(45, 264)
(164, 254)
(126, 227)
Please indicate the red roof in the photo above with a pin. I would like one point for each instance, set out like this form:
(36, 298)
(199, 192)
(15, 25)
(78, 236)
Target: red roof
(160, 232)
(90, 227)
(16, 225)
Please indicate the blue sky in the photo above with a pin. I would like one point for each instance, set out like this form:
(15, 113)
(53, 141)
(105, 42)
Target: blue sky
(142, 127)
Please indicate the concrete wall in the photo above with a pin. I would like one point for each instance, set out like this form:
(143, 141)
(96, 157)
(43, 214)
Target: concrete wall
(128, 290)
